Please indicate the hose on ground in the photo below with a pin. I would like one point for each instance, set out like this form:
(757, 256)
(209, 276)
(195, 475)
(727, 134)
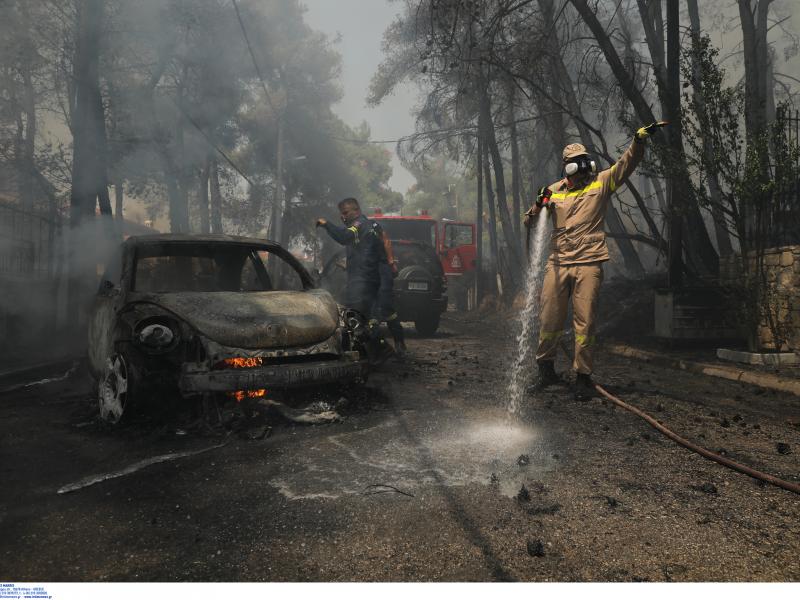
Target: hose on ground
(717, 458)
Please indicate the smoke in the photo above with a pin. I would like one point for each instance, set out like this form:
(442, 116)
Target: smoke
(34, 310)
(179, 90)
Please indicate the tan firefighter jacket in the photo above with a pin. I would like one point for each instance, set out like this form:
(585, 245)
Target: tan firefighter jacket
(579, 214)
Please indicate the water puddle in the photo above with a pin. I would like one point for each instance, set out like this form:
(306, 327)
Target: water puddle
(408, 453)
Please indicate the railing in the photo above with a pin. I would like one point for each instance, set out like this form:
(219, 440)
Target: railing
(27, 243)
(782, 227)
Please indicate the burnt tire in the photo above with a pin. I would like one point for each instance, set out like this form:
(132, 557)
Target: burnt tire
(116, 390)
(428, 324)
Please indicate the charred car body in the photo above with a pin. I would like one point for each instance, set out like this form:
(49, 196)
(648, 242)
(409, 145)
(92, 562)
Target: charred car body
(205, 314)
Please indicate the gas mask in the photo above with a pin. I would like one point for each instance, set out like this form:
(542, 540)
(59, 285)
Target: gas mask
(580, 165)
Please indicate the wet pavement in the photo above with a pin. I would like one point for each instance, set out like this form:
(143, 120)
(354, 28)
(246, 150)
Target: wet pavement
(422, 479)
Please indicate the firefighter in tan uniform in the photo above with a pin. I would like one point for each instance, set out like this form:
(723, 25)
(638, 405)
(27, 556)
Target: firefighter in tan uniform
(577, 206)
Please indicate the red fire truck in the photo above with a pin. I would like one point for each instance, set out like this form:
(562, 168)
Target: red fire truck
(440, 253)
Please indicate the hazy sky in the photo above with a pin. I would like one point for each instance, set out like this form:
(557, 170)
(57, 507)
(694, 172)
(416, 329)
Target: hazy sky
(361, 24)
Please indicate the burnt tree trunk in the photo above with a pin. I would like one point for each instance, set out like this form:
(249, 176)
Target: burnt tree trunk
(89, 178)
(516, 181)
(118, 198)
(512, 243)
(754, 42)
(676, 186)
(479, 224)
(487, 181)
(702, 250)
(563, 88)
(216, 198)
(714, 188)
(176, 181)
(202, 198)
(27, 144)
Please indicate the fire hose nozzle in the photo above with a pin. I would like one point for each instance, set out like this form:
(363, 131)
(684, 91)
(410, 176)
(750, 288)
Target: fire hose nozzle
(544, 196)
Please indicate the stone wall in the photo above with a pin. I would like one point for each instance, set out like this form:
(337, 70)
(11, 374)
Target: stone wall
(783, 280)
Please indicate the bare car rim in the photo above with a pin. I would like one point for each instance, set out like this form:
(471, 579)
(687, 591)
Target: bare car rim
(113, 389)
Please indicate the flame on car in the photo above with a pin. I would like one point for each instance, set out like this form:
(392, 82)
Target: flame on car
(241, 362)
(240, 395)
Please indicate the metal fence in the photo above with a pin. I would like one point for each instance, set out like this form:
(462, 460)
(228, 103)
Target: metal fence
(27, 243)
(782, 226)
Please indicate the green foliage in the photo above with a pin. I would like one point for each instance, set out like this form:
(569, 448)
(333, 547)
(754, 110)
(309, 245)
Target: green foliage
(180, 88)
(751, 174)
(713, 116)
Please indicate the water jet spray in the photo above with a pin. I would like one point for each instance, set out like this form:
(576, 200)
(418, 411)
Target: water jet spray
(529, 315)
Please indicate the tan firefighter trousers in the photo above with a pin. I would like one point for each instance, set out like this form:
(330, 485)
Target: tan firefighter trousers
(582, 282)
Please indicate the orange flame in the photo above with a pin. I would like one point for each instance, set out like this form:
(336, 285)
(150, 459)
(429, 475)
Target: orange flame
(242, 362)
(240, 395)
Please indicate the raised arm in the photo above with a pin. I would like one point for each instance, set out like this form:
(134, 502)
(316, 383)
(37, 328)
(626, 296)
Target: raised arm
(627, 163)
(343, 235)
(633, 155)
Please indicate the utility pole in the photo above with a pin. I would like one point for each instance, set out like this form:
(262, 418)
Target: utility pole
(479, 226)
(277, 208)
(675, 189)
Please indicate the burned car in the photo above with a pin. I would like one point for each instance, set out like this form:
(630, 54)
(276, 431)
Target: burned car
(200, 315)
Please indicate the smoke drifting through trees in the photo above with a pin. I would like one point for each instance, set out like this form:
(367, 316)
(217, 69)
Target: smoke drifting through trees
(165, 102)
(528, 77)
(168, 104)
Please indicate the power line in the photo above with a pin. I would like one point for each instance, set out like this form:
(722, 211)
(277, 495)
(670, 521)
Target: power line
(208, 139)
(253, 56)
(269, 97)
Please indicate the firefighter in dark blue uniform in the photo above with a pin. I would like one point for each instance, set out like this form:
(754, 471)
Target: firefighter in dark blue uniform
(367, 263)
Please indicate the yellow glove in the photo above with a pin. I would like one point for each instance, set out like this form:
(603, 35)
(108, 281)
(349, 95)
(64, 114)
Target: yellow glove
(644, 132)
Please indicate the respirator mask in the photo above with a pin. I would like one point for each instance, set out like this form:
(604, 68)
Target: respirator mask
(580, 165)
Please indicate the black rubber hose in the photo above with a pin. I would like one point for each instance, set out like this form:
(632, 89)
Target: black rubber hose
(717, 458)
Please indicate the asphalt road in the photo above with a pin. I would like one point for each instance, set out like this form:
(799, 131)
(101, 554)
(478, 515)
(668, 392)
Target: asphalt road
(420, 480)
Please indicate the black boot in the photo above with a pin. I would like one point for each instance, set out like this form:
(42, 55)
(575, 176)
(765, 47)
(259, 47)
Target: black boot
(378, 350)
(547, 377)
(584, 387)
(396, 329)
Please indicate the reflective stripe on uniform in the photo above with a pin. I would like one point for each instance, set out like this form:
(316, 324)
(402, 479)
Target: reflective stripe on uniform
(612, 183)
(584, 340)
(564, 195)
(546, 336)
(354, 229)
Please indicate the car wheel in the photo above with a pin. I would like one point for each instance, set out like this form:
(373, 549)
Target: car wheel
(114, 390)
(428, 324)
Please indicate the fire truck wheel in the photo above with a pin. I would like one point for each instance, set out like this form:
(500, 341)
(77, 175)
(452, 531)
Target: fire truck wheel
(427, 325)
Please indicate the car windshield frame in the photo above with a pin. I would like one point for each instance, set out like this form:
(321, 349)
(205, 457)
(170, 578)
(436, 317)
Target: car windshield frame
(393, 227)
(239, 251)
